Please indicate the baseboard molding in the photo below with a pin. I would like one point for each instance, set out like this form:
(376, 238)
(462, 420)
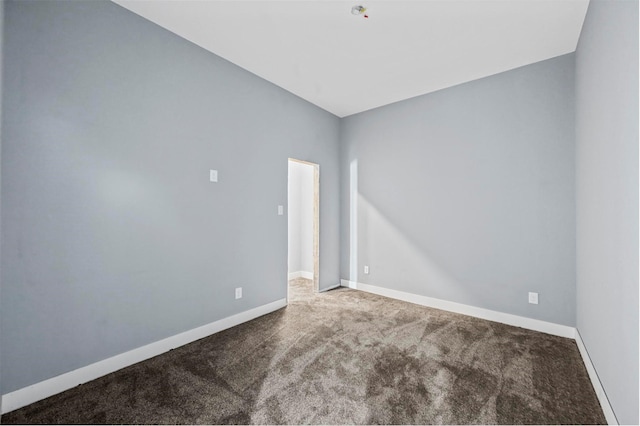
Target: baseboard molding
(300, 274)
(293, 275)
(330, 288)
(595, 381)
(515, 320)
(510, 319)
(30, 394)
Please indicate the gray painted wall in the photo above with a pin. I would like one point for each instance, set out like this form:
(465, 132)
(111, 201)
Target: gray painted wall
(467, 194)
(607, 198)
(113, 236)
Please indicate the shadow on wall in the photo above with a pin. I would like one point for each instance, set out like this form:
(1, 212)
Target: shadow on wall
(399, 261)
(380, 239)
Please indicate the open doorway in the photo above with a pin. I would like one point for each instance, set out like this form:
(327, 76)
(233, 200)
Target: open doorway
(303, 223)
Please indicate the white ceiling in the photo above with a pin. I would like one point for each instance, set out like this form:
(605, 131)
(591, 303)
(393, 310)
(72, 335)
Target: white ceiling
(346, 64)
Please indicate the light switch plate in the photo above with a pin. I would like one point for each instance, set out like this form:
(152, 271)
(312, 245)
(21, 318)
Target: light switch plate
(213, 175)
(280, 210)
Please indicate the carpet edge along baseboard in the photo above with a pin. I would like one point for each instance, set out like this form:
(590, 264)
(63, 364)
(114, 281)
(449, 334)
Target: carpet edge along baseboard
(44, 389)
(49, 387)
(473, 311)
(504, 318)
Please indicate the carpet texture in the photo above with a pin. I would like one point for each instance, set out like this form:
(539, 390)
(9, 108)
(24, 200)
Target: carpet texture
(343, 357)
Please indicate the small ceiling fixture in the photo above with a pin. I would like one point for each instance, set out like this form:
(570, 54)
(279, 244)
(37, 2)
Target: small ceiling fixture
(359, 10)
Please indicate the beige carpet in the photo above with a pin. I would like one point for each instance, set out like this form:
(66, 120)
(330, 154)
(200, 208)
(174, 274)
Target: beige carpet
(343, 357)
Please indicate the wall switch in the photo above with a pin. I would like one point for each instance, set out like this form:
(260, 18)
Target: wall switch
(533, 298)
(213, 175)
(239, 293)
(280, 210)
(366, 269)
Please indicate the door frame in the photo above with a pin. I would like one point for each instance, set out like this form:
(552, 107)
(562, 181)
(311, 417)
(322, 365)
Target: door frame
(316, 221)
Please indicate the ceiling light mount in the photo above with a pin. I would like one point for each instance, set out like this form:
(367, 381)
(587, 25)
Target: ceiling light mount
(359, 10)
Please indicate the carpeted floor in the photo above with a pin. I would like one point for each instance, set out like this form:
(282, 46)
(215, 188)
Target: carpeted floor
(343, 357)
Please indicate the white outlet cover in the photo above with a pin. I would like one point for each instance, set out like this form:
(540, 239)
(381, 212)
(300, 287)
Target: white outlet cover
(213, 175)
(533, 298)
(239, 293)
(280, 210)
(366, 269)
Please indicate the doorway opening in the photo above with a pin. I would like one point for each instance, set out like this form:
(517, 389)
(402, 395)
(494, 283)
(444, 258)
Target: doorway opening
(303, 224)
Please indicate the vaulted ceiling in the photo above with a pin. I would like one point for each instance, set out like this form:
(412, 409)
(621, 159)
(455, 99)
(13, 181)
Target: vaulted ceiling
(346, 63)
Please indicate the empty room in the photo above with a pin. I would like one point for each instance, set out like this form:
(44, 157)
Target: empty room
(319, 212)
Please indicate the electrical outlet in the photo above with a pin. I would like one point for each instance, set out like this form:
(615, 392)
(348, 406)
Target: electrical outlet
(366, 269)
(533, 298)
(239, 293)
(213, 175)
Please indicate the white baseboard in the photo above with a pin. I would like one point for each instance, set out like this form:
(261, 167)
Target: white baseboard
(301, 274)
(518, 321)
(510, 319)
(293, 275)
(595, 381)
(330, 288)
(30, 394)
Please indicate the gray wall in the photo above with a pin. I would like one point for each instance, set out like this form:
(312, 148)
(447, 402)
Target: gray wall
(607, 198)
(467, 194)
(113, 236)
